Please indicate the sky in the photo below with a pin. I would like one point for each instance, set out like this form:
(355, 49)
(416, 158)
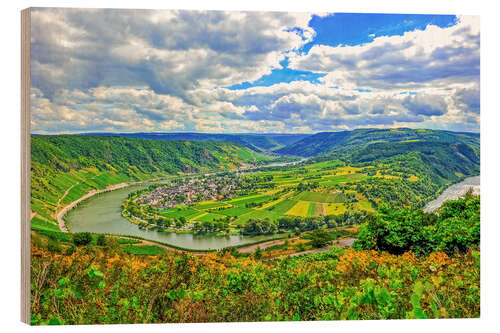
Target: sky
(110, 70)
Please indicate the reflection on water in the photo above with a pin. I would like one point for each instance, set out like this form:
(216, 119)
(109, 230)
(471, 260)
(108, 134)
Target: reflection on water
(102, 214)
(454, 192)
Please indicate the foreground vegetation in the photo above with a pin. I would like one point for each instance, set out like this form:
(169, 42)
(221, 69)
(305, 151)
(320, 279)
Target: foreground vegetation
(98, 285)
(111, 281)
(404, 263)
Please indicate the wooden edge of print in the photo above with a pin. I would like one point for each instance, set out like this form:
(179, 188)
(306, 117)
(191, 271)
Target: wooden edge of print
(25, 165)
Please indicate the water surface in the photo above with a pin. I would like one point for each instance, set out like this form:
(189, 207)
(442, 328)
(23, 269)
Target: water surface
(102, 214)
(454, 192)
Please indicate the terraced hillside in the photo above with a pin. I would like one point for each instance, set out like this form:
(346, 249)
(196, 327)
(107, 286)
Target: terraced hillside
(65, 167)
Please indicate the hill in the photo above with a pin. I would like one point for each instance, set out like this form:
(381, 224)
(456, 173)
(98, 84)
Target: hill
(65, 167)
(335, 143)
(257, 142)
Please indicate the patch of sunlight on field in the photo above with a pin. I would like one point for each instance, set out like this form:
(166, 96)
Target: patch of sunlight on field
(195, 218)
(412, 178)
(335, 208)
(364, 205)
(271, 203)
(319, 209)
(300, 209)
(348, 169)
(379, 175)
(320, 197)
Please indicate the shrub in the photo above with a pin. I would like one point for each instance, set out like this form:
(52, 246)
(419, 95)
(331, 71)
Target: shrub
(320, 238)
(82, 238)
(101, 240)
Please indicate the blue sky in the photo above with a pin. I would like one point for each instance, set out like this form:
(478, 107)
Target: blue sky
(348, 29)
(172, 71)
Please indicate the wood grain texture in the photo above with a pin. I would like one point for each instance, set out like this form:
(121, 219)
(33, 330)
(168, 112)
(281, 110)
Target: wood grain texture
(25, 164)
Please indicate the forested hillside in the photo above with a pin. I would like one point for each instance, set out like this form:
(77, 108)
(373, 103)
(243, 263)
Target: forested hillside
(65, 167)
(340, 142)
(256, 142)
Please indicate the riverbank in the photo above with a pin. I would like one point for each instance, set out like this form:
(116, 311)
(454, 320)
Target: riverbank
(455, 191)
(62, 212)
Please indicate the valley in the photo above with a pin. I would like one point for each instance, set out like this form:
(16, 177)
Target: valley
(218, 214)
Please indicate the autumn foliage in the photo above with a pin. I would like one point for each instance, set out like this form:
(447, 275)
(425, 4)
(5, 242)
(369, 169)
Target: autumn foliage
(103, 285)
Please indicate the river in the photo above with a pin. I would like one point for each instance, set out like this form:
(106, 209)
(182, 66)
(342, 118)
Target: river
(101, 213)
(454, 192)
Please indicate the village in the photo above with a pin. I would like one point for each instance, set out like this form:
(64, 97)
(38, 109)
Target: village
(192, 190)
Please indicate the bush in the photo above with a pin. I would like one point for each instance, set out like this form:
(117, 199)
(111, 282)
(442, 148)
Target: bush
(53, 246)
(399, 230)
(320, 238)
(82, 238)
(101, 240)
(258, 253)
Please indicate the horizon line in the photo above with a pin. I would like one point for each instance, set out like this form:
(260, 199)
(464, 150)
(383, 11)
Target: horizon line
(246, 133)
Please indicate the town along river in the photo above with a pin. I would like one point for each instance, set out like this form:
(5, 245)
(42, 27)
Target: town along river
(101, 213)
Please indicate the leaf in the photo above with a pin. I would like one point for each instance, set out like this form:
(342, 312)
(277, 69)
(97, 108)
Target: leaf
(419, 313)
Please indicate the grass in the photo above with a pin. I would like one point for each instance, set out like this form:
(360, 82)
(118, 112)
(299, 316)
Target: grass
(312, 209)
(180, 212)
(364, 205)
(234, 211)
(258, 214)
(321, 197)
(38, 223)
(209, 204)
(319, 209)
(208, 217)
(301, 208)
(338, 179)
(148, 250)
(283, 206)
(249, 200)
(335, 208)
(119, 240)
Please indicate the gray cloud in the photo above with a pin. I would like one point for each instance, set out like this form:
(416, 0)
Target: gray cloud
(426, 105)
(141, 70)
(169, 51)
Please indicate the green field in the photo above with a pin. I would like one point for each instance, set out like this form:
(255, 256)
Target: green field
(311, 211)
(208, 217)
(321, 197)
(257, 214)
(301, 208)
(180, 212)
(209, 205)
(254, 199)
(234, 211)
(282, 207)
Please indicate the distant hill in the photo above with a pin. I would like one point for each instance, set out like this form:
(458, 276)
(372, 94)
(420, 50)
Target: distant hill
(65, 167)
(257, 142)
(337, 143)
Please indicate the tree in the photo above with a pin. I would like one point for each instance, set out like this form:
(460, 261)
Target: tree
(258, 253)
(320, 238)
(101, 240)
(82, 238)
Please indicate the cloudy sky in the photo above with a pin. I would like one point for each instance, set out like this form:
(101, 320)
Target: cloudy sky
(104, 70)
